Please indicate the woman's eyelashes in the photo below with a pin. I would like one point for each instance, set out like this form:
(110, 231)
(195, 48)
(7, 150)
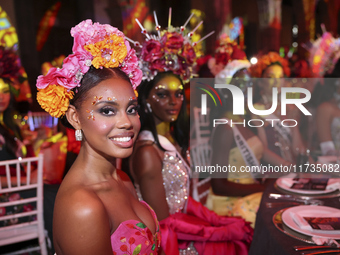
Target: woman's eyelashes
(112, 111)
(133, 109)
(108, 110)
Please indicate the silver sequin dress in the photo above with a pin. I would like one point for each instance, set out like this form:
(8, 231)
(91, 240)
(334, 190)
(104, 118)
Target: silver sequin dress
(176, 179)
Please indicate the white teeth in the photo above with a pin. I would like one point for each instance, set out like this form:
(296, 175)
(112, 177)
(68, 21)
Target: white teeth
(122, 139)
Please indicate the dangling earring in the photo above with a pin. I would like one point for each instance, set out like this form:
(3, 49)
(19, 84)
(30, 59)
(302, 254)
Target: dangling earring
(78, 135)
(149, 107)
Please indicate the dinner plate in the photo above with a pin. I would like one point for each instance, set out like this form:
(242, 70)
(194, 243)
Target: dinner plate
(281, 183)
(310, 211)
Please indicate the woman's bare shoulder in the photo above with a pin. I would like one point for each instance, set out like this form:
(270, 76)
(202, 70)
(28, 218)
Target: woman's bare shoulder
(77, 200)
(79, 218)
(146, 158)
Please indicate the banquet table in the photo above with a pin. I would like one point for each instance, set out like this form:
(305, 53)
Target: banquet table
(267, 238)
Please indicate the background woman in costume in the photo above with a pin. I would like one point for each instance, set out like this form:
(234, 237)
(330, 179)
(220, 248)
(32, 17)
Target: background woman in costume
(324, 61)
(285, 142)
(96, 208)
(159, 165)
(11, 139)
(238, 194)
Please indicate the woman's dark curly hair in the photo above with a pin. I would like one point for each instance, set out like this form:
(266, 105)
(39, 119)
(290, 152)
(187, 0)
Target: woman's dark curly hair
(179, 128)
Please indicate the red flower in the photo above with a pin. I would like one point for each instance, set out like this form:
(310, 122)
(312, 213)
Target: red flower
(238, 53)
(131, 240)
(189, 53)
(152, 50)
(123, 248)
(2, 211)
(173, 42)
(158, 65)
(28, 208)
(223, 58)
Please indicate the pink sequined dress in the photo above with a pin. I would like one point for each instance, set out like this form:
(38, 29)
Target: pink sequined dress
(191, 228)
(133, 237)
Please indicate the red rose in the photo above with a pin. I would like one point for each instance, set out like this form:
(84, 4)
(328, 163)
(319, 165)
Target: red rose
(189, 53)
(158, 65)
(173, 42)
(151, 50)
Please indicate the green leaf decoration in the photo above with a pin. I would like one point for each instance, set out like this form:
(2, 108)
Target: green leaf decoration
(153, 247)
(137, 249)
(141, 225)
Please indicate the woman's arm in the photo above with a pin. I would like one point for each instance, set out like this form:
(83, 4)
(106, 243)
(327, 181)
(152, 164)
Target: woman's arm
(81, 225)
(147, 168)
(222, 141)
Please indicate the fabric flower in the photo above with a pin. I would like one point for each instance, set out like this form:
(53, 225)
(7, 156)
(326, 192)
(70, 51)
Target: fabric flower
(151, 50)
(267, 60)
(109, 52)
(189, 53)
(172, 42)
(54, 99)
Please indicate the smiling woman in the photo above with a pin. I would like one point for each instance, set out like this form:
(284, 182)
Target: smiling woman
(96, 208)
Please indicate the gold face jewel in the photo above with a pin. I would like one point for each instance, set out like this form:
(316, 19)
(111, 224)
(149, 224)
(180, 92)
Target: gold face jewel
(91, 115)
(111, 99)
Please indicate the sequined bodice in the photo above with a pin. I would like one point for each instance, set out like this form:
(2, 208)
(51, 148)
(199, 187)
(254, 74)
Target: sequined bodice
(175, 181)
(175, 174)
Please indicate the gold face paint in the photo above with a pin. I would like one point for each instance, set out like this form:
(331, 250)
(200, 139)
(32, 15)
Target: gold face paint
(172, 85)
(4, 87)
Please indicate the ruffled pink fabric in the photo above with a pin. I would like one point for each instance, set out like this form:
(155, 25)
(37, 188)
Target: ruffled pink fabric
(212, 234)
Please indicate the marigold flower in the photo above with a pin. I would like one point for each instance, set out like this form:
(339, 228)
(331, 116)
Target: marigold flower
(102, 51)
(54, 99)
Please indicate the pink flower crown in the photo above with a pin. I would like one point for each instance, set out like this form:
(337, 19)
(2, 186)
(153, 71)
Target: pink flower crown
(94, 45)
(169, 50)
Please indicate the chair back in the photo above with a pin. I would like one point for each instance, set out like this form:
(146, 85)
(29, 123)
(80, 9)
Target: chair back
(21, 192)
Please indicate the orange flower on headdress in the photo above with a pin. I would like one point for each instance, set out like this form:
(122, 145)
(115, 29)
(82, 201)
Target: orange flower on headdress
(54, 99)
(267, 60)
(109, 52)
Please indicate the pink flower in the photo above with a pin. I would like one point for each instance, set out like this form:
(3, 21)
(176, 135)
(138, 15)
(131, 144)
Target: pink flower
(151, 50)
(136, 79)
(49, 78)
(14, 197)
(131, 67)
(28, 208)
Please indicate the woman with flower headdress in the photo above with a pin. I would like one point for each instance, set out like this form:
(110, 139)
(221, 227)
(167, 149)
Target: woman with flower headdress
(96, 209)
(284, 142)
(324, 61)
(159, 163)
(233, 194)
(11, 138)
